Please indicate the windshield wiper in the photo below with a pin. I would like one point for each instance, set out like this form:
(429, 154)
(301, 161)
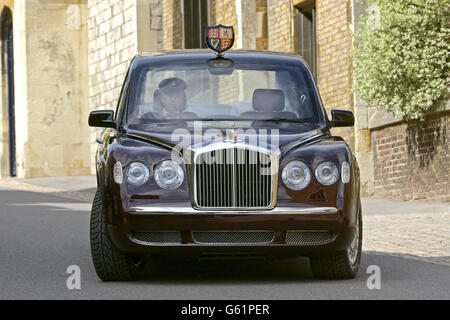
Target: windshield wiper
(170, 121)
(278, 120)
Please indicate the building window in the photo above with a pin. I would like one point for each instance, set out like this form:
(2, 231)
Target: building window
(305, 34)
(195, 23)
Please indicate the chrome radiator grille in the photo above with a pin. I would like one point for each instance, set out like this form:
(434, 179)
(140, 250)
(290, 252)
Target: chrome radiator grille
(233, 178)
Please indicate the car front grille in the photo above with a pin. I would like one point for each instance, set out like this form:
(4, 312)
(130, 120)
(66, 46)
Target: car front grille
(156, 237)
(309, 237)
(233, 237)
(234, 178)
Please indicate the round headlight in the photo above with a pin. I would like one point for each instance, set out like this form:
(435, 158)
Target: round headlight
(327, 173)
(296, 175)
(137, 173)
(169, 175)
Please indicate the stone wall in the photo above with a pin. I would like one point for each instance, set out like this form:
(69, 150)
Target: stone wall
(150, 25)
(172, 25)
(51, 94)
(412, 160)
(363, 141)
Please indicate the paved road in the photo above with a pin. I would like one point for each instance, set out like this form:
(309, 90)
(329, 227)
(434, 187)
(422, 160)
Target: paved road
(42, 234)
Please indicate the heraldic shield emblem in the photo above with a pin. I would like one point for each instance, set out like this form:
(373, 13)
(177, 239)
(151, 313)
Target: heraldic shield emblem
(220, 38)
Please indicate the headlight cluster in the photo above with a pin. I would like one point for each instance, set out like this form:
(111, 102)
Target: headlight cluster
(327, 173)
(168, 174)
(296, 175)
(137, 173)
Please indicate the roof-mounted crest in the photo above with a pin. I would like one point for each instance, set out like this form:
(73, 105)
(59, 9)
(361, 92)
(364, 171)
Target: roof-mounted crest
(220, 38)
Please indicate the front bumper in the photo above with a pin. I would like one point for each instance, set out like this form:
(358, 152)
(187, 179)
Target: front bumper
(186, 221)
(182, 210)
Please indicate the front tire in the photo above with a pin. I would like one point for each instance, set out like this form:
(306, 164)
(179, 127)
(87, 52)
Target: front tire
(110, 263)
(340, 264)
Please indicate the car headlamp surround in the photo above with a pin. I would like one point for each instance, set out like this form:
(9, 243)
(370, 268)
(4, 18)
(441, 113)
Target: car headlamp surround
(296, 175)
(137, 173)
(327, 173)
(169, 175)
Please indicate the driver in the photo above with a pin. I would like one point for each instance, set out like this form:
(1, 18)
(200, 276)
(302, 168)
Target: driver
(170, 99)
(171, 96)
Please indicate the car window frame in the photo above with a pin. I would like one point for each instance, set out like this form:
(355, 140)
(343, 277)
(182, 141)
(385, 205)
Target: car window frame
(141, 70)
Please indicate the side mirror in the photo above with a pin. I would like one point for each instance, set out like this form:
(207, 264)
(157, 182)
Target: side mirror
(102, 119)
(342, 118)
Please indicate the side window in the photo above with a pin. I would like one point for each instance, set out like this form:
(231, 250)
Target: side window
(122, 95)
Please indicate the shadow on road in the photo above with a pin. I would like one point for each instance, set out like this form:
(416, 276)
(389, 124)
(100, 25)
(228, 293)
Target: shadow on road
(293, 270)
(182, 271)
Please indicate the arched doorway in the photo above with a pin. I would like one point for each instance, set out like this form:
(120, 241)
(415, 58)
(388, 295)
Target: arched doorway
(8, 66)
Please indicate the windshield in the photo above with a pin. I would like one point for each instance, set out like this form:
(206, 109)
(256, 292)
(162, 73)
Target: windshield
(201, 91)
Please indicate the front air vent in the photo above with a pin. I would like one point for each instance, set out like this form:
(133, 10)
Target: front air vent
(233, 237)
(156, 237)
(318, 196)
(309, 237)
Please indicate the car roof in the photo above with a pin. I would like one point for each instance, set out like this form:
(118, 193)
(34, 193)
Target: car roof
(201, 55)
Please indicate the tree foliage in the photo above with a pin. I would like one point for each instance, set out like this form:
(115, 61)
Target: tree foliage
(401, 55)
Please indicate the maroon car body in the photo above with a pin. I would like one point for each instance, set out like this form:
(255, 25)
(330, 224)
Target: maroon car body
(320, 221)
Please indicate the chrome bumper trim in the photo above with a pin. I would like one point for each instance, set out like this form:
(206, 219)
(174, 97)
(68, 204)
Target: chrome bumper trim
(192, 211)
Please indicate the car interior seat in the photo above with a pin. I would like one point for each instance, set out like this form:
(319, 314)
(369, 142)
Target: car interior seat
(268, 104)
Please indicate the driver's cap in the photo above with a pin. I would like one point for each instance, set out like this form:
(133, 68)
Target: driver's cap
(172, 84)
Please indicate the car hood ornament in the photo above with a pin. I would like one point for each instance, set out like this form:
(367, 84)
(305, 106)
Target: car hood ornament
(231, 136)
(220, 38)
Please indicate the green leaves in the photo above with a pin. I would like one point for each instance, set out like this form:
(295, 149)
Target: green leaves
(401, 55)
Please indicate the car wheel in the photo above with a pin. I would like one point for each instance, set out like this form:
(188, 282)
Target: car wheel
(110, 263)
(340, 264)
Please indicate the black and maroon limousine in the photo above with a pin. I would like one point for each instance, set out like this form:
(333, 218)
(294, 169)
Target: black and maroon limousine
(223, 155)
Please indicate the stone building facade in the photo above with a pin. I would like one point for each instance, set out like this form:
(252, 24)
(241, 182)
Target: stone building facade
(71, 56)
(48, 97)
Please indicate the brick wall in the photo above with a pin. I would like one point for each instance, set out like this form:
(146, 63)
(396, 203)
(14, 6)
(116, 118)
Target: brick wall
(411, 160)
(224, 12)
(261, 27)
(112, 43)
(172, 25)
(279, 19)
(334, 18)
